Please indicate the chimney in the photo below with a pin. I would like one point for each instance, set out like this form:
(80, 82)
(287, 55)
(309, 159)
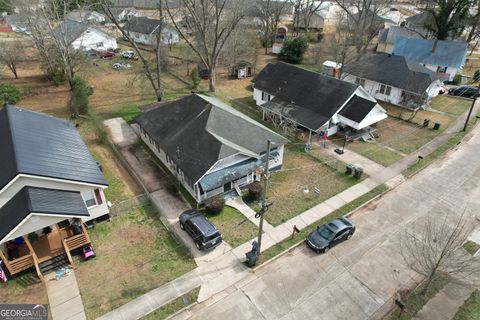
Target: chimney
(435, 45)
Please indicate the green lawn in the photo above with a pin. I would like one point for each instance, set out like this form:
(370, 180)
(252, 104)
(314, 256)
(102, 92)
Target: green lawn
(374, 152)
(301, 170)
(415, 301)
(135, 253)
(471, 309)
(233, 225)
(285, 244)
(174, 306)
(471, 247)
(456, 106)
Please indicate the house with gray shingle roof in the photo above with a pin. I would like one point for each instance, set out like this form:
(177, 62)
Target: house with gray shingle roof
(444, 57)
(49, 182)
(207, 145)
(82, 36)
(144, 30)
(394, 79)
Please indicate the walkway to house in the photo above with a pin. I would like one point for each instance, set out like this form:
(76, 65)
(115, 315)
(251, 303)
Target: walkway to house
(227, 270)
(238, 204)
(64, 297)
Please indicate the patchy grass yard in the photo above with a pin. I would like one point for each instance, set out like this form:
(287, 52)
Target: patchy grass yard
(415, 301)
(470, 309)
(174, 306)
(302, 170)
(374, 152)
(449, 104)
(233, 225)
(135, 254)
(471, 247)
(26, 288)
(287, 243)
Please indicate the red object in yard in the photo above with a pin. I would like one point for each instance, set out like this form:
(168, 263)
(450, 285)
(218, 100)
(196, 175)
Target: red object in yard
(106, 54)
(88, 252)
(5, 29)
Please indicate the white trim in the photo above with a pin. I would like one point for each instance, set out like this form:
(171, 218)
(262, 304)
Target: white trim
(22, 175)
(35, 214)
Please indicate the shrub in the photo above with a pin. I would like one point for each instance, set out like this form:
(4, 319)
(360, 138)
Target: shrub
(255, 190)
(9, 94)
(476, 76)
(195, 76)
(294, 49)
(457, 79)
(215, 204)
(79, 96)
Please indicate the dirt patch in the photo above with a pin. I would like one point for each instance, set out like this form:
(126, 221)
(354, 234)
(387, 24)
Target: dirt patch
(26, 288)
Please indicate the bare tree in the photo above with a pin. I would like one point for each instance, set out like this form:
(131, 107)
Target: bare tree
(11, 54)
(434, 246)
(269, 11)
(152, 70)
(241, 45)
(364, 19)
(342, 45)
(304, 11)
(212, 22)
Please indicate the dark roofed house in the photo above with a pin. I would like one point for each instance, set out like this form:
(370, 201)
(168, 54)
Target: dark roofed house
(394, 79)
(444, 57)
(417, 23)
(210, 147)
(313, 101)
(143, 30)
(48, 181)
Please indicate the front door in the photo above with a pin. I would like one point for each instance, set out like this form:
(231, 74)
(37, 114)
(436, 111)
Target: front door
(227, 187)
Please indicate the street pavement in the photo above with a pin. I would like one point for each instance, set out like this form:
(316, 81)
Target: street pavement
(359, 278)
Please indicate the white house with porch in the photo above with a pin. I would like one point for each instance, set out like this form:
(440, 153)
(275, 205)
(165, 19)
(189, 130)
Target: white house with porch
(294, 98)
(49, 186)
(208, 146)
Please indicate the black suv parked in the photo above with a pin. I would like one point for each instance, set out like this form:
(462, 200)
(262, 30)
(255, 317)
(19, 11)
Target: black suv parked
(464, 91)
(202, 231)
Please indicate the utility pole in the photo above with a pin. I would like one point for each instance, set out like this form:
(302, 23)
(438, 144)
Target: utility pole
(471, 108)
(264, 198)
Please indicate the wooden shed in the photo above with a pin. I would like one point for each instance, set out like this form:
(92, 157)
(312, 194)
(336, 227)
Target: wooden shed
(242, 69)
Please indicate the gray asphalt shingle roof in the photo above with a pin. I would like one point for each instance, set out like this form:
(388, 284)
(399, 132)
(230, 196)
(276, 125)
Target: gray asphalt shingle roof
(42, 145)
(69, 30)
(196, 131)
(392, 34)
(40, 200)
(393, 70)
(307, 97)
(446, 53)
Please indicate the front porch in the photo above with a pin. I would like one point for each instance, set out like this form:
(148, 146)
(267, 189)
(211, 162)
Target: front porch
(31, 251)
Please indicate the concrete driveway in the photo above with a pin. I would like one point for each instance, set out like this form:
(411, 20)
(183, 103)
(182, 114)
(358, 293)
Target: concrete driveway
(356, 279)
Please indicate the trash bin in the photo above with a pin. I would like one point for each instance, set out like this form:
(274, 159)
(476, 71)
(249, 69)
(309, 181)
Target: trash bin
(436, 126)
(349, 168)
(426, 122)
(358, 173)
(251, 259)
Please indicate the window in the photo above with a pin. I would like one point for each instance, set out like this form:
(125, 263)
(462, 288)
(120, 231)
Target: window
(99, 44)
(265, 96)
(98, 196)
(360, 81)
(441, 69)
(386, 90)
(89, 199)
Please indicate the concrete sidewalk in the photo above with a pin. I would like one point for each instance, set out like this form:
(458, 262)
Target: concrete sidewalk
(64, 297)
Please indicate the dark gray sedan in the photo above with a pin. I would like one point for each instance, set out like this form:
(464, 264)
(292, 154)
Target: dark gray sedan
(330, 234)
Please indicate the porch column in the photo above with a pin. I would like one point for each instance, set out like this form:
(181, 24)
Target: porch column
(5, 262)
(34, 256)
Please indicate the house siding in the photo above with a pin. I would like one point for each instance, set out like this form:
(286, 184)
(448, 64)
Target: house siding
(259, 96)
(90, 39)
(373, 88)
(168, 37)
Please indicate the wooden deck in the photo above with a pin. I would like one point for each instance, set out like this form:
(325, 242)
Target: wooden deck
(48, 246)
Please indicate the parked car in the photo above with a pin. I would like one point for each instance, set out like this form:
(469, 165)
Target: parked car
(121, 66)
(330, 234)
(464, 91)
(129, 55)
(202, 231)
(106, 54)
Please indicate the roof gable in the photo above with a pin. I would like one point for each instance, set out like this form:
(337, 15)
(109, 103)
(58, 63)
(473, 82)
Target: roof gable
(39, 200)
(45, 146)
(69, 30)
(432, 51)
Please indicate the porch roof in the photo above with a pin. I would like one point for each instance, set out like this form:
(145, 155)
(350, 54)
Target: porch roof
(42, 201)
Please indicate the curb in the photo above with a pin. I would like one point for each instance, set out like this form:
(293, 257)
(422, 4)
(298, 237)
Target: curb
(348, 215)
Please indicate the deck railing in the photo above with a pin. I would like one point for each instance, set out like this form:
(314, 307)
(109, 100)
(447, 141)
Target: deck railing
(20, 264)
